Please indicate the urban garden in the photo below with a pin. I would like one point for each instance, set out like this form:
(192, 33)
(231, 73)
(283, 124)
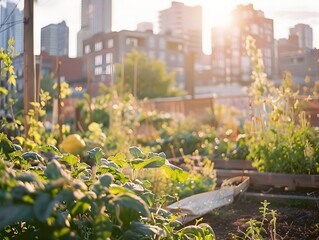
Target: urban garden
(114, 177)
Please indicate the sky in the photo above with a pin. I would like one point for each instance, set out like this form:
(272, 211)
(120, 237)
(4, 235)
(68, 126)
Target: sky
(127, 13)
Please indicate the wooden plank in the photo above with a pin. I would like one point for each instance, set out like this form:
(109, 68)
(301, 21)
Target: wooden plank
(235, 164)
(291, 181)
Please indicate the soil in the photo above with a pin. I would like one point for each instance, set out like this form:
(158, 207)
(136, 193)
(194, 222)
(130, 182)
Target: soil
(296, 220)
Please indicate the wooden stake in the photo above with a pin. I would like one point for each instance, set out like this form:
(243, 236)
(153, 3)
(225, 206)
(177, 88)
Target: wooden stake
(29, 91)
(135, 77)
(39, 84)
(89, 87)
(58, 63)
(122, 77)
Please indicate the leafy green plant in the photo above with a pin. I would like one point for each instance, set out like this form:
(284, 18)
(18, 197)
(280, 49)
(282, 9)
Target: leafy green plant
(281, 139)
(6, 66)
(256, 228)
(66, 199)
(286, 150)
(7, 84)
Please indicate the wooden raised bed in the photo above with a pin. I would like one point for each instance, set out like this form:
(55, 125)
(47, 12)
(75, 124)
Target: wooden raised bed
(290, 181)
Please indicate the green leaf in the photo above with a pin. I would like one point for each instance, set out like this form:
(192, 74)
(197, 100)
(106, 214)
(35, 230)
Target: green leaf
(32, 156)
(119, 159)
(50, 148)
(79, 208)
(80, 167)
(96, 154)
(4, 91)
(137, 188)
(146, 230)
(19, 191)
(119, 190)
(148, 197)
(161, 154)
(207, 230)
(70, 159)
(43, 206)
(6, 146)
(12, 80)
(62, 233)
(12, 213)
(167, 198)
(135, 162)
(11, 41)
(106, 180)
(154, 162)
(136, 152)
(147, 183)
(109, 164)
(53, 170)
(27, 177)
(193, 231)
(132, 202)
(175, 172)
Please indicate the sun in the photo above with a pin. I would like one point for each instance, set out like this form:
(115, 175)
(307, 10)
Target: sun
(215, 14)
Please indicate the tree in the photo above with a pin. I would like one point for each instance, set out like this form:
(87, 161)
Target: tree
(147, 78)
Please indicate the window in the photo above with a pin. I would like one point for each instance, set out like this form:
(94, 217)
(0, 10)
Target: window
(98, 71)
(110, 43)
(151, 54)
(133, 42)
(98, 46)
(181, 59)
(162, 43)
(108, 69)
(108, 58)
(162, 56)
(151, 42)
(254, 29)
(98, 60)
(172, 57)
(87, 49)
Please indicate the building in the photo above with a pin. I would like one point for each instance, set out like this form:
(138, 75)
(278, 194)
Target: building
(11, 25)
(230, 62)
(145, 27)
(304, 34)
(185, 22)
(96, 17)
(55, 39)
(75, 79)
(296, 55)
(301, 63)
(105, 49)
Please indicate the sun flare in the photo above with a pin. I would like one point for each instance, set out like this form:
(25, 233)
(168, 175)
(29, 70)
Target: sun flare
(217, 14)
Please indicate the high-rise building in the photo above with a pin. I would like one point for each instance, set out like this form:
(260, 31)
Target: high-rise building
(11, 25)
(230, 62)
(185, 22)
(297, 56)
(96, 17)
(55, 39)
(304, 33)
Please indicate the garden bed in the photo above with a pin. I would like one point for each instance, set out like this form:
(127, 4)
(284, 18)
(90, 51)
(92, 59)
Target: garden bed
(290, 181)
(295, 219)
